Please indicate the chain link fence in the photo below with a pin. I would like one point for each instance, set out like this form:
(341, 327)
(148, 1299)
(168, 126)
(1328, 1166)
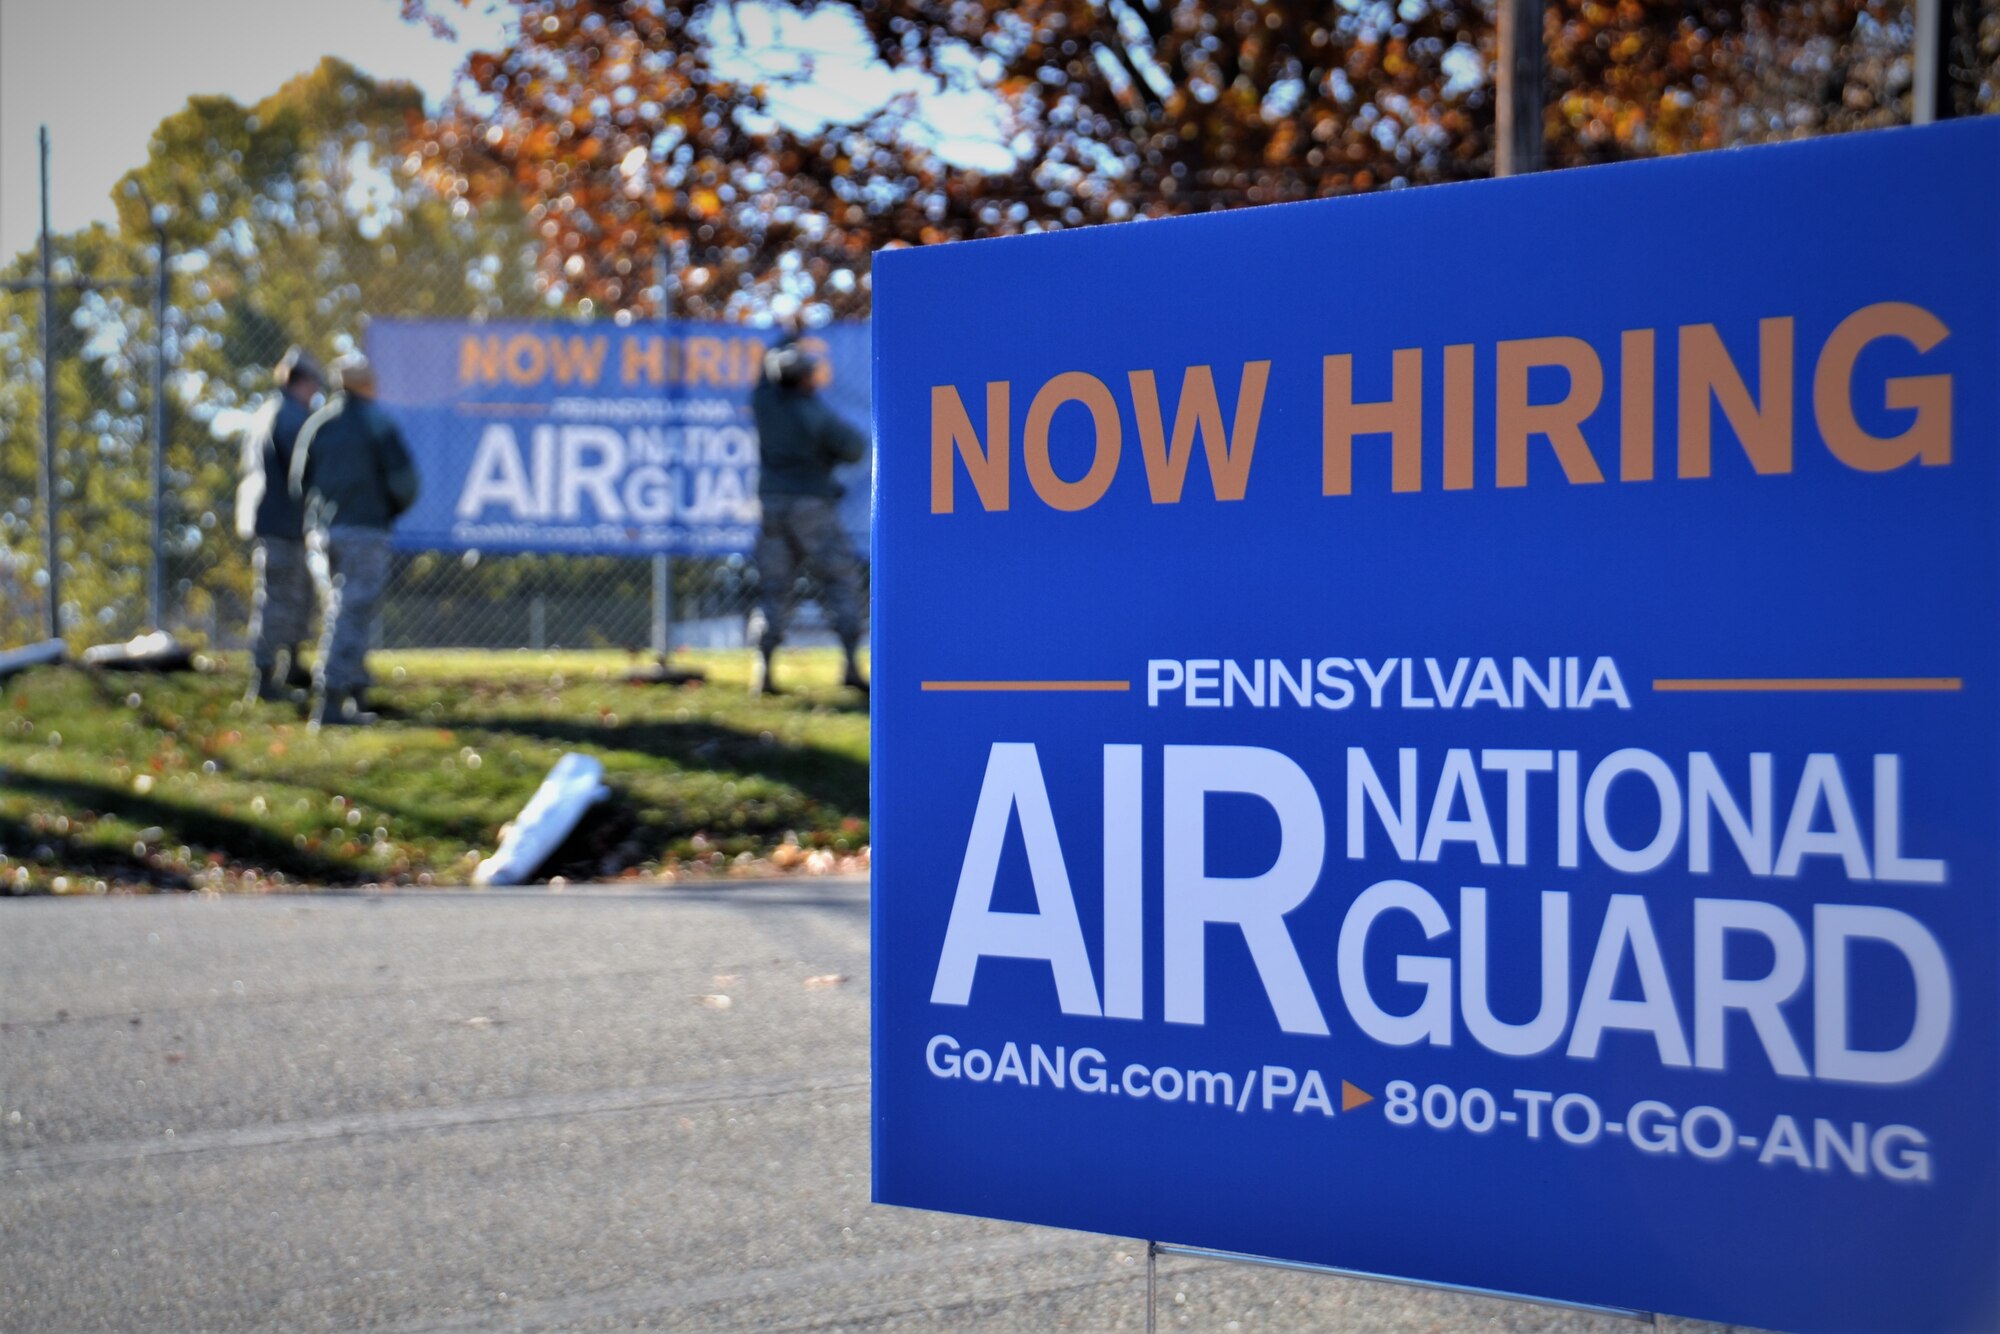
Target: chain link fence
(219, 345)
(296, 221)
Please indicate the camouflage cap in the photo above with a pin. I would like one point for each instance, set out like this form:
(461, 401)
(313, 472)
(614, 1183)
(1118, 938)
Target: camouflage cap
(296, 362)
(788, 364)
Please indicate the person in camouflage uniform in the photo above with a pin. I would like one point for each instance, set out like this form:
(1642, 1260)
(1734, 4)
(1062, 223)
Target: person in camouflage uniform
(281, 590)
(352, 473)
(800, 441)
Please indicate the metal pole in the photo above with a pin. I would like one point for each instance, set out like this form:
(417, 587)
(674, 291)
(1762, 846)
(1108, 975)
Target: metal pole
(50, 501)
(1930, 97)
(663, 275)
(663, 603)
(663, 564)
(155, 598)
(1152, 1281)
(1517, 71)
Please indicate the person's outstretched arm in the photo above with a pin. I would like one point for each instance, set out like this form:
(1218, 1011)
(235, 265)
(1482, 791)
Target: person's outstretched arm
(841, 440)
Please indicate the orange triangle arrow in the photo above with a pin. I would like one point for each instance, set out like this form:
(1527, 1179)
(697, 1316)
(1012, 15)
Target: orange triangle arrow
(1352, 1097)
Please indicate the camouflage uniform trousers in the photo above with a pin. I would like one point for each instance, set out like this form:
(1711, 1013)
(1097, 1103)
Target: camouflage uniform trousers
(805, 531)
(281, 599)
(351, 567)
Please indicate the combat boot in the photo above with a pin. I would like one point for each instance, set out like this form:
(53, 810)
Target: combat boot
(762, 680)
(339, 708)
(267, 686)
(852, 678)
(326, 710)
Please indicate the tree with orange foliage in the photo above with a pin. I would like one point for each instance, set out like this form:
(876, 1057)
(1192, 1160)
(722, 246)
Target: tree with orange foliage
(631, 131)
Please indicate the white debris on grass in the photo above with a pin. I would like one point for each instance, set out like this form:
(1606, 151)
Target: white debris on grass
(573, 786)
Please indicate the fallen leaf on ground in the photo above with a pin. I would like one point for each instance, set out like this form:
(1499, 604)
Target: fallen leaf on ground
(825, 980)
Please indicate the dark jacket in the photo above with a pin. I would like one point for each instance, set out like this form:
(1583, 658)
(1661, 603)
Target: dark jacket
(264, 503)
(351, 468)
(800, 440)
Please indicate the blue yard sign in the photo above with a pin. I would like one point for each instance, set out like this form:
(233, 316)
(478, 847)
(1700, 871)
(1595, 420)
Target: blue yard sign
(594, 439)
(1453, 734)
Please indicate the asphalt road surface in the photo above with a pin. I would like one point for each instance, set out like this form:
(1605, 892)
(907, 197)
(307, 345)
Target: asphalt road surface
(526, 1111)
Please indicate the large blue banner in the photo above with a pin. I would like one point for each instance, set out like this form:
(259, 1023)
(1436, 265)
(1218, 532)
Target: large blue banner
(1453, 733)
(594, 439)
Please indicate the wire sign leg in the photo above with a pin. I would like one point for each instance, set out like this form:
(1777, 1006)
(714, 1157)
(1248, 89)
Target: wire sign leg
(1152, 1282)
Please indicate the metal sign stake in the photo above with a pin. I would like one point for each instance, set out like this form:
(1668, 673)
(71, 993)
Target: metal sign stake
(1152, 1281)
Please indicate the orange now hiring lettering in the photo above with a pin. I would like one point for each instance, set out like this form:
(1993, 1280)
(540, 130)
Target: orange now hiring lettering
(1763, 421)
(644, 359)
(725, 363)
(1198, 411)
(531, 359)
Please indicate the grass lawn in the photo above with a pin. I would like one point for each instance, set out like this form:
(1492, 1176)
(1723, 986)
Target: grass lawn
(113, 781)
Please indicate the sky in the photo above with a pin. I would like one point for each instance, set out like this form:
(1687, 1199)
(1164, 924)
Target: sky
(821, 67)
(102, 73)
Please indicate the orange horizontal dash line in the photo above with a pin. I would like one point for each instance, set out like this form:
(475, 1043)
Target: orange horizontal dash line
(1813, 684)
(1028, 685)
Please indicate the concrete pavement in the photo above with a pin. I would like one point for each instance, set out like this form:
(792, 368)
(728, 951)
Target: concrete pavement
(516, 1111)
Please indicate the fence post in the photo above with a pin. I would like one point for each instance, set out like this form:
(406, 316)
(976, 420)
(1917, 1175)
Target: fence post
(50, 501)
(663, 564)
(663, 603)
(1517, 70)
(1930, 97)
(155, 592)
